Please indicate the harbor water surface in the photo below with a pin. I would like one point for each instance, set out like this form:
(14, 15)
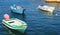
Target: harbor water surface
(39, 22)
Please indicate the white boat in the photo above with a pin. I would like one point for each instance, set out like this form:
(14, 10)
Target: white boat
(46, 8)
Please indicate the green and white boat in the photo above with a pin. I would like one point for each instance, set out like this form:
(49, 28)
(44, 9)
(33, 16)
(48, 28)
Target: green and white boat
(15, 24)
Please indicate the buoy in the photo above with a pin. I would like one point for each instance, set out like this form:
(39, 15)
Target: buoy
(6, 16)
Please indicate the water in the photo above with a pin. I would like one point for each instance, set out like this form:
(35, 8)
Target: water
(39, 22)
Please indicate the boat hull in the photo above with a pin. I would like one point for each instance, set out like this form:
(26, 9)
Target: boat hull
(18, 11)
(46, 8)
(20, 29)
(15, 10)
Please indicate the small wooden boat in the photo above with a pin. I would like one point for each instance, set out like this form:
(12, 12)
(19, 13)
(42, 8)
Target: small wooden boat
(17, 9)
(15, 24)
(46, 8)
(52, 1)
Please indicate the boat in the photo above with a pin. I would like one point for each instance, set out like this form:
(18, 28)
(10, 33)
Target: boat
(15, 24)
(17, 9)
(46, 8)
(52, 1)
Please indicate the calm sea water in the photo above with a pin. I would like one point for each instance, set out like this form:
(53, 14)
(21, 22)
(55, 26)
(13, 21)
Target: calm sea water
(39, 22)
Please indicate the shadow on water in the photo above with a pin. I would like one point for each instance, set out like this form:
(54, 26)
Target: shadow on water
(13, 32)
(46, 13)
(20, 16)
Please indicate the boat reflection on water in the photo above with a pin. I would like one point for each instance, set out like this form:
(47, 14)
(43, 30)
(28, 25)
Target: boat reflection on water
(12, 32)
(21, 16)
(48, 13)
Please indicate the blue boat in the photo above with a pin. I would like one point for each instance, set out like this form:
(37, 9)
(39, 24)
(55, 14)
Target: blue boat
(17, 9)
